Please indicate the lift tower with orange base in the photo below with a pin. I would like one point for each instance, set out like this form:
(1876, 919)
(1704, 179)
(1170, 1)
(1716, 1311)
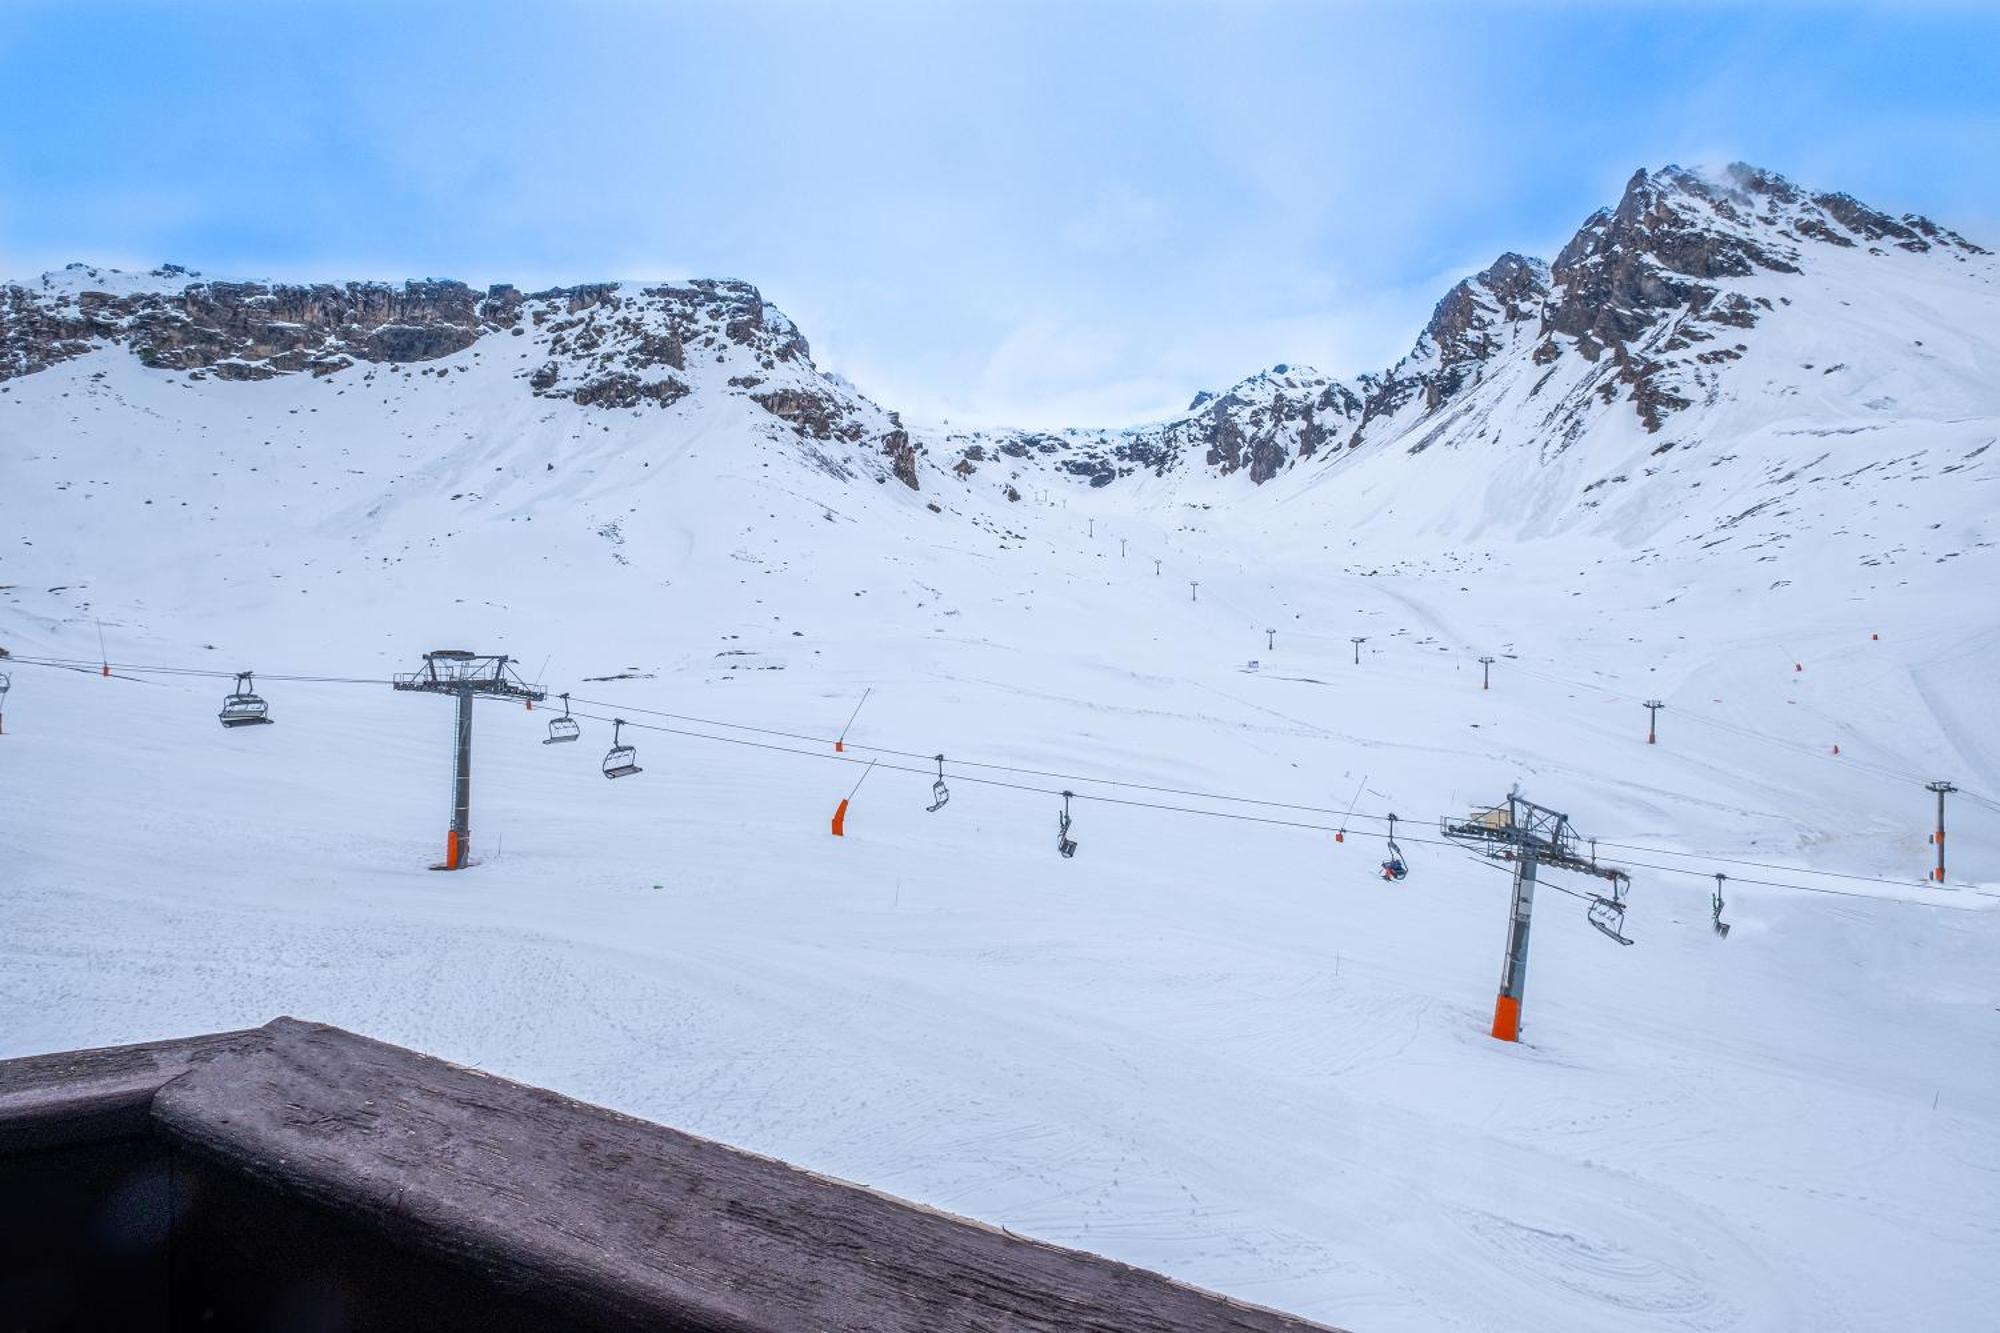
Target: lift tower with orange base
(1531, 836)
(464, 676)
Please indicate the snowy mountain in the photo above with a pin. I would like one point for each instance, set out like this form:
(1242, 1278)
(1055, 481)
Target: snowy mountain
(1676, 311)
(607, 346)
(1642, 317)
(1215, 1041)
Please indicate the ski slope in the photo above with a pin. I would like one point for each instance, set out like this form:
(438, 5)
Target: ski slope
(1225, 1049)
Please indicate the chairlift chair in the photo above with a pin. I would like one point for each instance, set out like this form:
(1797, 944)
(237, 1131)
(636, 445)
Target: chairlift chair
(939, 792)
(1608, 916)
(1395, 867)
(244, 707)
(620, 761)
(563, 728)
(1064, 843)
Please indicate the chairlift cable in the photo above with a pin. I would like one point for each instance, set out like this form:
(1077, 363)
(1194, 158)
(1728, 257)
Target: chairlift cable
(1219, 796)
(71, 664)
(1271, 822)
(76, 664)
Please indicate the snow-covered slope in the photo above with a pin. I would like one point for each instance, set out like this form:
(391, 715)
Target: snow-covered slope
(1701, 310)
(608, 346)
(1223, 1048)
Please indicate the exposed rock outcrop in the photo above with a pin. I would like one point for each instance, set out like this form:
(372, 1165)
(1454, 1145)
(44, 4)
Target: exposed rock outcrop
(601, 346)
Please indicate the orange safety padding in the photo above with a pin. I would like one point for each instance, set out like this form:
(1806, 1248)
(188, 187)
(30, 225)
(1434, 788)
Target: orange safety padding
(840, 819)
(1340, 837)
(107, 669)
(1938, 875)
(840, 747)
(1507, 1018)
(451, 849)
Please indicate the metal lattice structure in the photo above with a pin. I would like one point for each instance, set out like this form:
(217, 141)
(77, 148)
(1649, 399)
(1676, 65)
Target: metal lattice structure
(465, 676)
(1531, 836)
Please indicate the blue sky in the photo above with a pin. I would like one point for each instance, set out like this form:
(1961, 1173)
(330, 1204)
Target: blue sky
(1025, 213)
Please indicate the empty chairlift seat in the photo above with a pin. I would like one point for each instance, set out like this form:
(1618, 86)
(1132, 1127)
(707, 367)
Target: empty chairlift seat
(563, 728)
(623, 760)
(244, 707)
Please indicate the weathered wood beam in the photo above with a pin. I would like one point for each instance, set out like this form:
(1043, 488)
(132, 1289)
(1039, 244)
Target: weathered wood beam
(593, 1213)
(48, 1101)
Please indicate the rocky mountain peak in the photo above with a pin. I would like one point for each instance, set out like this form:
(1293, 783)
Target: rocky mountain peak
(1468, 326)
(1675, 234)
(1479, 318)
(603, 346)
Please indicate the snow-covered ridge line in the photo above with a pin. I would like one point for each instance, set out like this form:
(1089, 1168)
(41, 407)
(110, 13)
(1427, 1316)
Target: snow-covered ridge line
(609, 346)
(1641, 311)
(1640, 318)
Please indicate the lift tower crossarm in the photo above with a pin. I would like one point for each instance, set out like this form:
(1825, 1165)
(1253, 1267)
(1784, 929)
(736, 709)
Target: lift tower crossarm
(1532, 836)
(465, 676)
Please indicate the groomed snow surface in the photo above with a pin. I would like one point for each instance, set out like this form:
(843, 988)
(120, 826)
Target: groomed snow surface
(1223, 1049)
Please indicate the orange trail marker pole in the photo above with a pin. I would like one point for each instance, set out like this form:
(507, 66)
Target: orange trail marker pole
(840, 811)
(840, 742)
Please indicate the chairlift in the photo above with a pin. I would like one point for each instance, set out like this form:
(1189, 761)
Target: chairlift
(619, 762)
(939, 792)
(1064, 843)
(244, 707)
(563, 728)
(1721, 926)
(1395, 867)
(1608, 915)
